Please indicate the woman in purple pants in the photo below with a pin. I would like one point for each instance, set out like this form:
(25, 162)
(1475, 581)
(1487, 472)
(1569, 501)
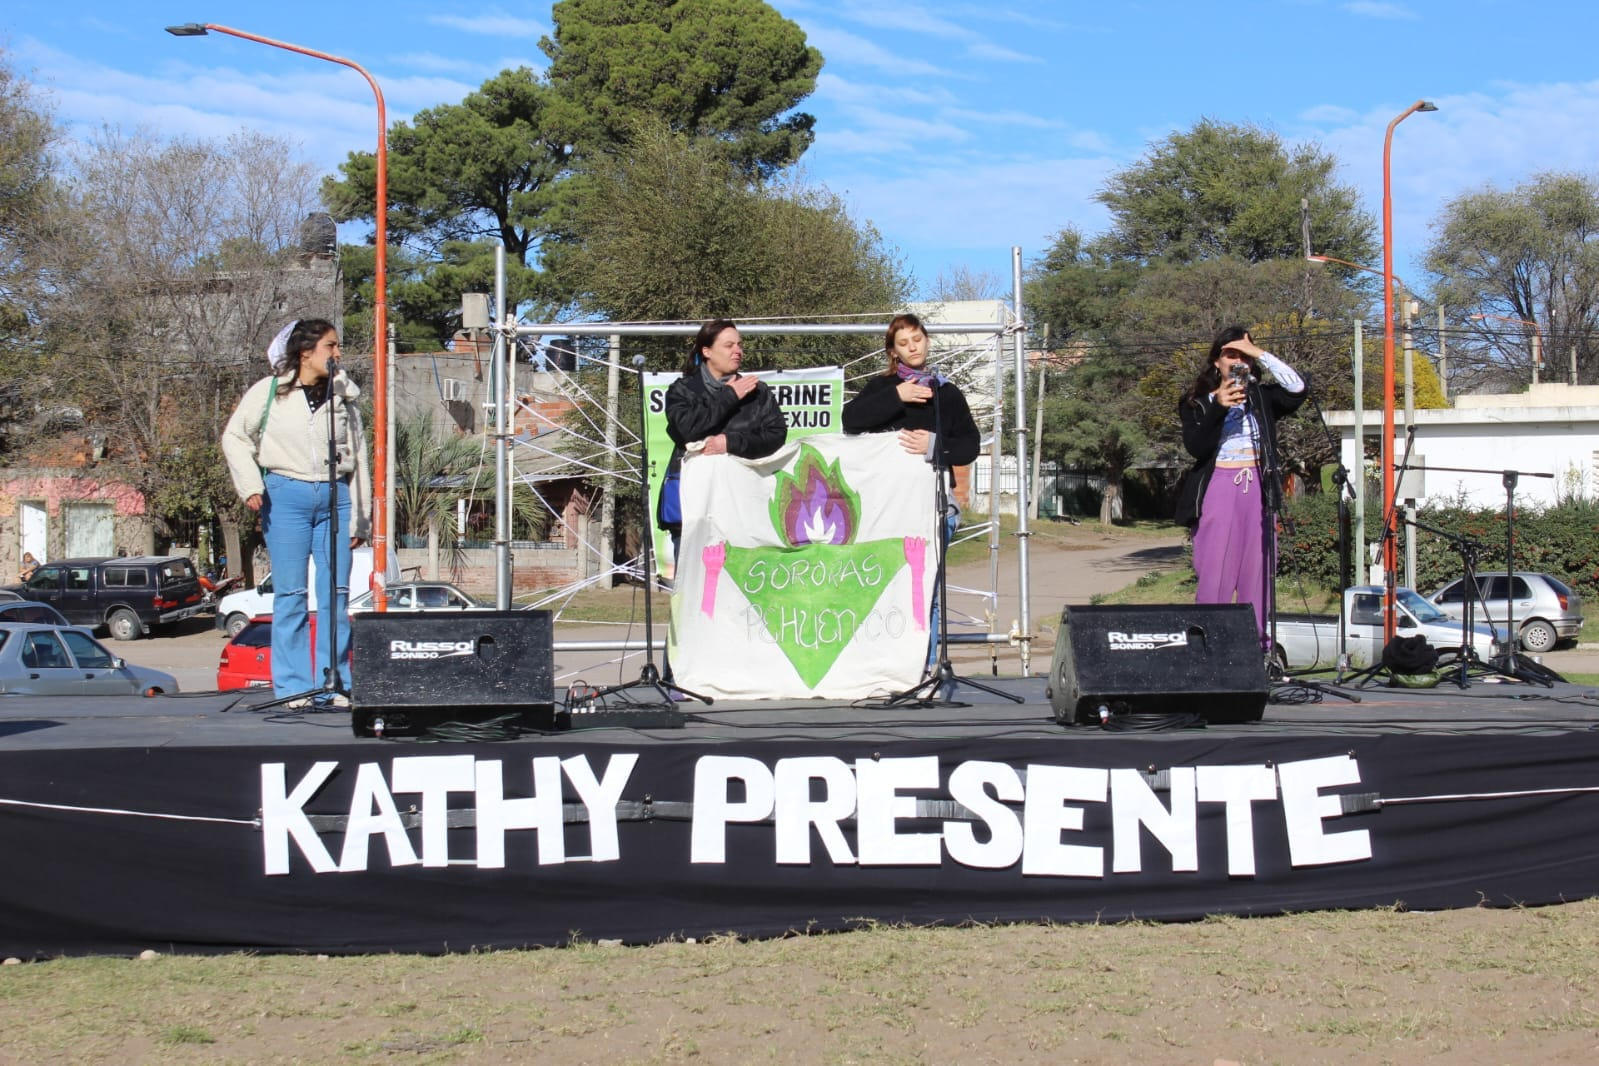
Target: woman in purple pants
(1225, 500)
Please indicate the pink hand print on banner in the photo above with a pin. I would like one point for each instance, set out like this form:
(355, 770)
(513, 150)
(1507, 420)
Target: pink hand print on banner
(713, 556)
(916, 555)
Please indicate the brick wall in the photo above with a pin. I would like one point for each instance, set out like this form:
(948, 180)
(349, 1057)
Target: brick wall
(473, 569)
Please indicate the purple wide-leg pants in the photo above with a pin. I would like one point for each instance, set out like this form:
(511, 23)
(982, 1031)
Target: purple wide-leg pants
(1228, 555)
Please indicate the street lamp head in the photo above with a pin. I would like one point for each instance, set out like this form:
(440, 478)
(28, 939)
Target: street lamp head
(188, 29)
(1426, 105)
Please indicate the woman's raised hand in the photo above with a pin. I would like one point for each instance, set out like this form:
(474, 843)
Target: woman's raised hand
(910, 392)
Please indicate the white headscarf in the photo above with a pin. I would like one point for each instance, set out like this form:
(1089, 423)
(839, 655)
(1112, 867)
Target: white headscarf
(278, 350)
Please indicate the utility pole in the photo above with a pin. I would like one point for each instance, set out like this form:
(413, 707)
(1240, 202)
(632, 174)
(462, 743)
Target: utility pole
(1443, 355)
(1304, 234)
(613, 380)
(1038, 424)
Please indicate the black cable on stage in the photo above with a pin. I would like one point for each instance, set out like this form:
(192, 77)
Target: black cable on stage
(1144, 722)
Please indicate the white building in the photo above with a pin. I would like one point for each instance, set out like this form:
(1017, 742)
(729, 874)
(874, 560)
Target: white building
(1549, 436)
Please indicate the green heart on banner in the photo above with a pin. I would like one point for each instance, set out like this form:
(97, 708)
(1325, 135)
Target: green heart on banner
(815, 597)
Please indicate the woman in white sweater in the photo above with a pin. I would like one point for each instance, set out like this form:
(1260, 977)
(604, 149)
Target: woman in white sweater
(276, 446)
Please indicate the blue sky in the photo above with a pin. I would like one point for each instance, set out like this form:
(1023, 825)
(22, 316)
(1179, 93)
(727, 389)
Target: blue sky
(958, 128)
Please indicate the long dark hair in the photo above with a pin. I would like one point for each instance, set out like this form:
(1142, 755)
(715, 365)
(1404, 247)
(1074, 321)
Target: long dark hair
(306, 335)
(703, 340)
(1209, 379)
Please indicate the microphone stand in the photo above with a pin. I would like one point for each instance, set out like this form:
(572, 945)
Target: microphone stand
(1509, 660)
(649, 677)
(1467, 659)
(939, 686)
(1272, 504)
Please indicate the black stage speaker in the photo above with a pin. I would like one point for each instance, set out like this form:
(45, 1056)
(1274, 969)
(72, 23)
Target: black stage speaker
(417, 669)
(1158, 659)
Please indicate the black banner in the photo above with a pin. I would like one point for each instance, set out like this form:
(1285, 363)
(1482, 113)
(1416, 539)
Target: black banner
(366, 848)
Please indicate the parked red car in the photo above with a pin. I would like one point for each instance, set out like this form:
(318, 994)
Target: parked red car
(247, 659)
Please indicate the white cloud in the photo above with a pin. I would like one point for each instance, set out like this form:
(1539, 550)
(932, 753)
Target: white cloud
(492, 24)
(472, 68)
(1377, 9)
(1004, 118)
(848, 49)
(999, 53)
(980, 208)
(1500, 138)
(836, 89)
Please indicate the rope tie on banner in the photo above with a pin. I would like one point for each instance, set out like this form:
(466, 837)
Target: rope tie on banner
(651, 809)
(1368, 801)
(253, 822)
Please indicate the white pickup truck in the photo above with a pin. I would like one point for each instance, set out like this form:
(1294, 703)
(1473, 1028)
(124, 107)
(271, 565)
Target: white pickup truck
(1306, 642)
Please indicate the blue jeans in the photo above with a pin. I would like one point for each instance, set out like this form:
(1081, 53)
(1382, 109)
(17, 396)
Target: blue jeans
(296, 519)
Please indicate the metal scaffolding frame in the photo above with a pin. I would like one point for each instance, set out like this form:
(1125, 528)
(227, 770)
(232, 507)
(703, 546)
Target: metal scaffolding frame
(507, 331)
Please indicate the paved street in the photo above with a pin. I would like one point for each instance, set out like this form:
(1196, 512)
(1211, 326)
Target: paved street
(1069, 564)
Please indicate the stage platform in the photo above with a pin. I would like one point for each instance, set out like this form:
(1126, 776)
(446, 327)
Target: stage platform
(200, 823)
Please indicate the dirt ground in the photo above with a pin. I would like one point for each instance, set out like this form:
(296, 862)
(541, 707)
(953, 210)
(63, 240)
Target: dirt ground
(1471, 986)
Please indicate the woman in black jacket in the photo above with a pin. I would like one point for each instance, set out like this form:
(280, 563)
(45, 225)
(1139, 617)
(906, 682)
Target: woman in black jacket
(1225, 500)
(714, 410)
(901, 398)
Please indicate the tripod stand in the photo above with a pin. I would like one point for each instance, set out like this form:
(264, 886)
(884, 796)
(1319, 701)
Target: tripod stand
(649, 676)
(1467, 660)
(1508, 660)
(939, 685)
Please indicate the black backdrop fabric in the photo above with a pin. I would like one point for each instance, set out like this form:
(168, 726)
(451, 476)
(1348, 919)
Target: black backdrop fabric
(112, 851)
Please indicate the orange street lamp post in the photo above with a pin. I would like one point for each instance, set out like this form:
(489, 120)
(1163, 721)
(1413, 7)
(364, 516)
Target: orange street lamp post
(380, 309)
(1390, 555)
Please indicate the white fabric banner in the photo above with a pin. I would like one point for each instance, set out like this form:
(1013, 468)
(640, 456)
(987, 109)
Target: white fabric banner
(807, 573)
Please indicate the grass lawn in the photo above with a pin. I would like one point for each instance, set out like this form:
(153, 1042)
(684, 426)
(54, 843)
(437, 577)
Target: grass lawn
(1177, 586)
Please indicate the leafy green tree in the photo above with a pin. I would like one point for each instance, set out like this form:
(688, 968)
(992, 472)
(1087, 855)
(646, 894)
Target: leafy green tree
(672, 230)
(461, 177)
(1531, 253)
(728, 70)
(1083, 432)
(1206, 232)
(182, 261)
(27, 205)
(483, 169)
(1222, 189)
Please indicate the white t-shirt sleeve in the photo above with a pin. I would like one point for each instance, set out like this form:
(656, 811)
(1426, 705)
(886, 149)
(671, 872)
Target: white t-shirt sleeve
(1286, 376)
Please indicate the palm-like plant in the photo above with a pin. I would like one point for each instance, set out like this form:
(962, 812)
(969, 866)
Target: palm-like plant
(432, 469)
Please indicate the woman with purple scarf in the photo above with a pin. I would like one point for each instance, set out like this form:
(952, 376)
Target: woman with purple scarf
(1224, 499)
(901, 399)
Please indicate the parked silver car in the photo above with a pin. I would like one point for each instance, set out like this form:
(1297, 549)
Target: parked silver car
(49, 660)
(1546, 610)
(420, 596)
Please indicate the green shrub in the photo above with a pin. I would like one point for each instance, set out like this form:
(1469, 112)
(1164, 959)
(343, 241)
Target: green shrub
(1562, 540)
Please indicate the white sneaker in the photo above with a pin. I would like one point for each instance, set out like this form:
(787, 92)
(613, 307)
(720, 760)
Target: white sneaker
(302, 703)
(338, 700)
